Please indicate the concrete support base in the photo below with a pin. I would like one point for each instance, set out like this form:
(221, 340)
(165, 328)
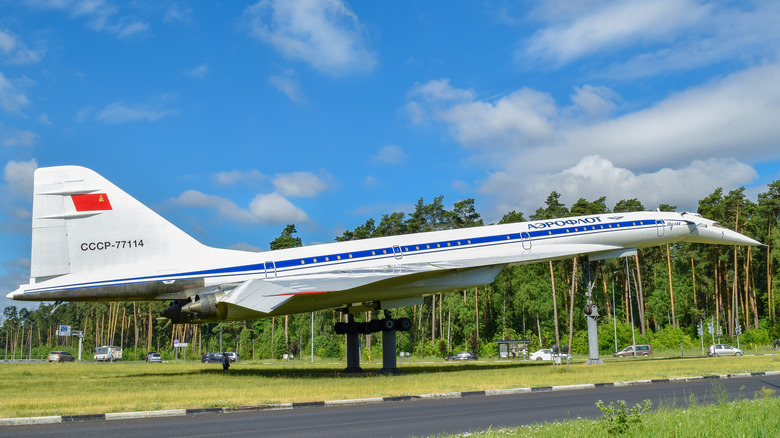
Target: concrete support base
(389, 365)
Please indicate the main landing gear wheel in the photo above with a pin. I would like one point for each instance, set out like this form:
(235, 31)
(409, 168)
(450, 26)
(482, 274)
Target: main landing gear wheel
(373, 326)
(388, 326)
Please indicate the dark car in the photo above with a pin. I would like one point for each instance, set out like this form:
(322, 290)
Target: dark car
(61, 356)
(211, 358)
(463, 355)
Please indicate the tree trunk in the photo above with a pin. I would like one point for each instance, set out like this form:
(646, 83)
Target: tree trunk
(693, 277)
(640, 297)
(606, 293)
(671, 290)
(135, 327)
(433, 320)
(149, 333)
(555, 306)
(571, 308)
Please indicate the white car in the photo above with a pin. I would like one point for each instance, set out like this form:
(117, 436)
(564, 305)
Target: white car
(547, 354)
(716, 350)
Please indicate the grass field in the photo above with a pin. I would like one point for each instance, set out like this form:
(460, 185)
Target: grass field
(43, 389)
(753, 417)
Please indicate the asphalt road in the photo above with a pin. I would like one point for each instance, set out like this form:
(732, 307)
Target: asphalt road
(406, 418)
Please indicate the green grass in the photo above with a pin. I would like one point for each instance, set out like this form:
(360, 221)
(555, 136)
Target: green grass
(43, 389)
(756, 417)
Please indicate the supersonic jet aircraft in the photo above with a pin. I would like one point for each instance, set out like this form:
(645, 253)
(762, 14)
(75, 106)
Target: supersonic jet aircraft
(91, 241)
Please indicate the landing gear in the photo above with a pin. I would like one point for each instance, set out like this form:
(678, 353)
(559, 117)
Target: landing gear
(388, 326)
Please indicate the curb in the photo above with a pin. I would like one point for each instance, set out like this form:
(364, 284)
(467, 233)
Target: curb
(22, 421)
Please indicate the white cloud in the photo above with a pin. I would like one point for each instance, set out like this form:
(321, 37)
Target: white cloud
(594, 176)
(19, 176)
(199, 71)
(20, 138)
(390, 154)
(227, 209)
(612, 25)
(15, 51)
(522, 117)
(100, 15)
(288, 85)
(249, 177)
(594, 102)
(676, 150)
(179, 13)
(636, 38)
(11, 99)
(371, 181)
(300, 184)
(270, 209)
(323, 33)
(274, 209)
(152, 111)
(44, 119)
(82, 114)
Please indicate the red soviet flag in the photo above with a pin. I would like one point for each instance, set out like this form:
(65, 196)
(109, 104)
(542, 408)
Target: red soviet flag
(91, 202)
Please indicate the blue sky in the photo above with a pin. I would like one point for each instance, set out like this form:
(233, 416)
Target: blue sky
(234, 119)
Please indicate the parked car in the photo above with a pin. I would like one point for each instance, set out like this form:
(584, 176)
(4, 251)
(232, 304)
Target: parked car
(716, 350)
(149, 354)
(154, 357)
(233, 356)
(463, 355)
(211, 358)
(61, 356)
(547, 354)
(640, 349)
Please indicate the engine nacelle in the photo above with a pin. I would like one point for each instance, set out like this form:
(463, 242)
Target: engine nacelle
(201, 307)
(204, 305)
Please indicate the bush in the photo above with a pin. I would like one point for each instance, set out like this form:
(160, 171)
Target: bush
(757, 336)
(669, 338)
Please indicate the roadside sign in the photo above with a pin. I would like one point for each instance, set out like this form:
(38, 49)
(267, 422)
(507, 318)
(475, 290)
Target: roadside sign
(64, 330)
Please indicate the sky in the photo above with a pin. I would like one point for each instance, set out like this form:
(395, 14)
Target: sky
(233, 119)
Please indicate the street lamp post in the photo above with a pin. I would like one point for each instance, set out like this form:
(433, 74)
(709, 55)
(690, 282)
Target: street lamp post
(614, 311)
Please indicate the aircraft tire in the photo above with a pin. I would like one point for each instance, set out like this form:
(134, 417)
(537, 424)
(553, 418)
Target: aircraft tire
(403, 324)
(388, 324)
(340, 328)
(364, 328)
(352, 328)
(375, 325)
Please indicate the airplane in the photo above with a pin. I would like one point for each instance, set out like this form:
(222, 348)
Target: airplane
(91, 241)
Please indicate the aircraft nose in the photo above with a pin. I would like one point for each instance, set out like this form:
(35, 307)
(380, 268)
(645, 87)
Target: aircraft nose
(715, 234)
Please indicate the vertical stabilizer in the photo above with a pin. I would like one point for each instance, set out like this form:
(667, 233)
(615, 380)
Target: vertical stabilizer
(83, 224)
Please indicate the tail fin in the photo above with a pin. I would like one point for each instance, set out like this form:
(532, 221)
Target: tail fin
(83, 224)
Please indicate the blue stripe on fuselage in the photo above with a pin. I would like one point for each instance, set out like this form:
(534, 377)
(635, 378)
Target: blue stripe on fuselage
(347, 258)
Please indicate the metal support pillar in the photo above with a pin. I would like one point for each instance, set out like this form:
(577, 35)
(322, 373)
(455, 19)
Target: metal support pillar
(591, 313)
(388, 353)
(353, 349)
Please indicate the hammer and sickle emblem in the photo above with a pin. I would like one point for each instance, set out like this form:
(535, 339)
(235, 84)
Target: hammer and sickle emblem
(100, 199)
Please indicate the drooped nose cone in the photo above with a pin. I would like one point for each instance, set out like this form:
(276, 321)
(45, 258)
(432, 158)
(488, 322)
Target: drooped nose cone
(715, 234)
